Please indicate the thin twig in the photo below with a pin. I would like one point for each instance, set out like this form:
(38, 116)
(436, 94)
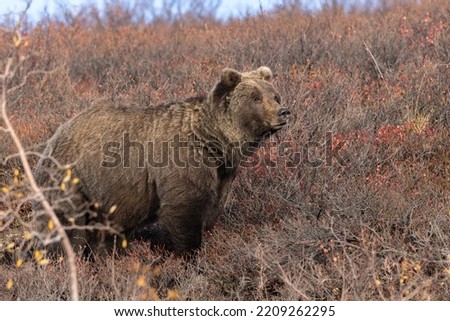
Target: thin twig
(374, 60)
(286, 280)
(25, 78)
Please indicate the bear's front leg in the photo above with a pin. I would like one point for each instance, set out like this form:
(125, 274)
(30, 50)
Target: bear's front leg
(179, 226)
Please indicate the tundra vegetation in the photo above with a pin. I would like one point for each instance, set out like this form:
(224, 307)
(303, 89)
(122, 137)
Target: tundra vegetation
(350, 202)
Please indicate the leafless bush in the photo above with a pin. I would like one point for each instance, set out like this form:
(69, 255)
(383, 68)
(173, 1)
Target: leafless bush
(23, 193)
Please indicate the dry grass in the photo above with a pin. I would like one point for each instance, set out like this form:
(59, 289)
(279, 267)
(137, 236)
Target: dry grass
(377, 228)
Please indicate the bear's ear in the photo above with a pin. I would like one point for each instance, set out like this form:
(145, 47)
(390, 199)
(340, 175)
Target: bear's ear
(229, 79)
(263, 73)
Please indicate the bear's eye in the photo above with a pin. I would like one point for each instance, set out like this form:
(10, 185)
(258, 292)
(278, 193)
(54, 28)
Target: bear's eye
(277, 99)
(256, 97)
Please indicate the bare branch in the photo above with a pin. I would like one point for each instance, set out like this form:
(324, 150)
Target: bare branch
(289, 283)
(33, 185)
(25, 78)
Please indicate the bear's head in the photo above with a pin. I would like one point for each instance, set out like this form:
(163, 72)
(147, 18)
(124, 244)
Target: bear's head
(251, 102)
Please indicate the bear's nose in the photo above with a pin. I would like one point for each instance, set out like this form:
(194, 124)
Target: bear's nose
(283, 112)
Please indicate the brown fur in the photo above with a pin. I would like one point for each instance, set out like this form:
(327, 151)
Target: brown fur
(172, 204)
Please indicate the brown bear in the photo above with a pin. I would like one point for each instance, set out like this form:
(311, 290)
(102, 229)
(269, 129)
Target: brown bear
(161, 173)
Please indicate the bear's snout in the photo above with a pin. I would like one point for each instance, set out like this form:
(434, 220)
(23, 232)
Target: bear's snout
(283, 114)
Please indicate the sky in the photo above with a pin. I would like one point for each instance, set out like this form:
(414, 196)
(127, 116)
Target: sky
(228, 8)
